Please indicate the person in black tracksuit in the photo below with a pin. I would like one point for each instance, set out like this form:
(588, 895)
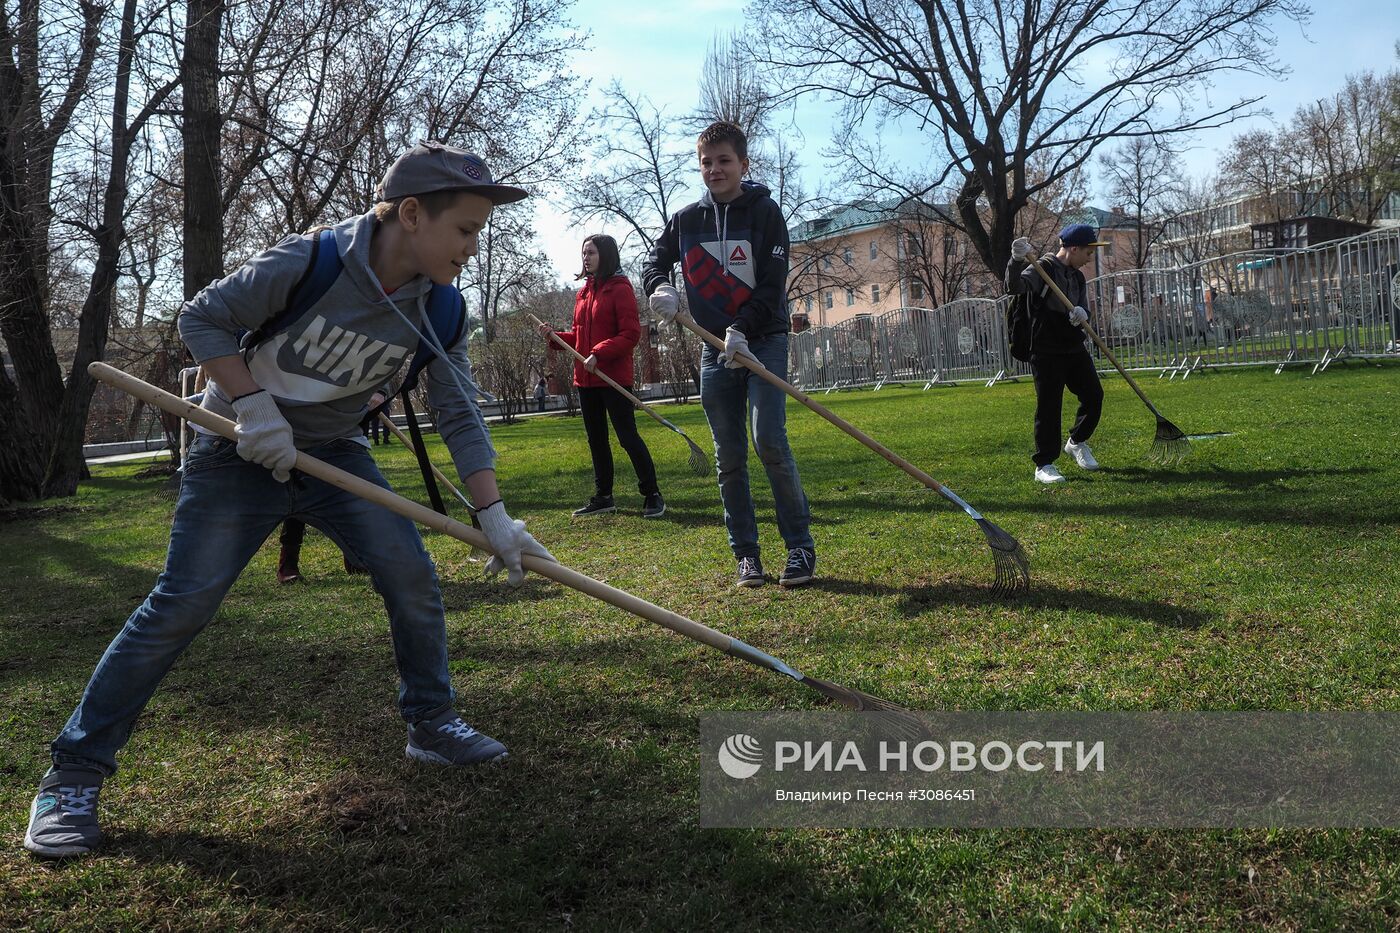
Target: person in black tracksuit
(1059, 357)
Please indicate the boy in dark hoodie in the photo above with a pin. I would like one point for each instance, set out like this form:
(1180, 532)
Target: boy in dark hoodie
(307, 389)
(733, 248)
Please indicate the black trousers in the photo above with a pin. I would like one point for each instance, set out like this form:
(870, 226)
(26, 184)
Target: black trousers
(1053, 374)
(598, 405)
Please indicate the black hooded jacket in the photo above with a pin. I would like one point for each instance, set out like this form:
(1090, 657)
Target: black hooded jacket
(734, 259)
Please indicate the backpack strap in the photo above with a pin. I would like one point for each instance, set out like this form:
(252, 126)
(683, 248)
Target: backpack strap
(321, 272)
(447, 315)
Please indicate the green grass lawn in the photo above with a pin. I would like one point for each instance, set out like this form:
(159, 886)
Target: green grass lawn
(266, 786)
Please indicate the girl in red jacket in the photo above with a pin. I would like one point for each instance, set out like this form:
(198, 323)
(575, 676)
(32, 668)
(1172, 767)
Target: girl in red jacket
(606, 329)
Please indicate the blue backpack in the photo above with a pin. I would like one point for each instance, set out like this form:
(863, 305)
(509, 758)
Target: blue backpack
(447, 309)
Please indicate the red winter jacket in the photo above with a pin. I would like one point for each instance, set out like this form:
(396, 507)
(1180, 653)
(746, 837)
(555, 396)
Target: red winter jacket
(605, 325)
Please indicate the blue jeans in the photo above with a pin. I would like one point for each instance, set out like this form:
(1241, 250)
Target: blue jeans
(733, 400)
(226, 509)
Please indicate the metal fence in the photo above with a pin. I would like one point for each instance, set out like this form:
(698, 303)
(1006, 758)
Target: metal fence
(1262, 307)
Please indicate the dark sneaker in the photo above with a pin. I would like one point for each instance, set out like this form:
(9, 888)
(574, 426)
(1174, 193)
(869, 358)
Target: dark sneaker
(287, 569)
(654, 506)
(598, 505)
(446, 740)
(63, 817)
(801, 567)
(750, 572)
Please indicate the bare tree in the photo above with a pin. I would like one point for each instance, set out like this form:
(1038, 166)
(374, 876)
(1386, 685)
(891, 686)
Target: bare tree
(936, 255)
(201, 129)
(1198, 224)
(1263, 167)
(508, 366)
(48, 59)
(997, 85)
(506, 269)
(1143, 176)
(49, 421)
(1345, 146)
(643, 174)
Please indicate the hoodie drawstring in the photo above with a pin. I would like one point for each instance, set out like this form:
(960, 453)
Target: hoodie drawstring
(723, 233)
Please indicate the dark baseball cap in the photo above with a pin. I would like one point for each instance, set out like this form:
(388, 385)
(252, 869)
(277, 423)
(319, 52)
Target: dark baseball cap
(1080, 235)
(430, 166)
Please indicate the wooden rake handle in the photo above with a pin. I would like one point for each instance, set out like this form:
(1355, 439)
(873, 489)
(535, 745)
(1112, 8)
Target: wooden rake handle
(408, 442)
(601, 375)
(1103, 347)
(774, 379)
(426, 516)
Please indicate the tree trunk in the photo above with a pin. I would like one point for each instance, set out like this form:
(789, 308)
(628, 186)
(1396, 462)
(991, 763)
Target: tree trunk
(200, 136)
(66, 466)
(20, 457)
(29, 404)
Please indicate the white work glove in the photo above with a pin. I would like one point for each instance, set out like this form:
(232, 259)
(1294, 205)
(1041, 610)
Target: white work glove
(734, 343)
(1020, 248)
(590, 362)
(1078, 316)
(665, 303)
(509, 539)
(264, 436)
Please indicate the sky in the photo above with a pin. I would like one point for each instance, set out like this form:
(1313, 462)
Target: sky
(651, 48)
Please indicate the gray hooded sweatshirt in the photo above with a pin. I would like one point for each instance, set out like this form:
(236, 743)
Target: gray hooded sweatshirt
(323, 369)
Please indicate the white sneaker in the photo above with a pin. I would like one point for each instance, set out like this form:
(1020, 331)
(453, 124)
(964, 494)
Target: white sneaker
(1049, 474)
(1082, 455)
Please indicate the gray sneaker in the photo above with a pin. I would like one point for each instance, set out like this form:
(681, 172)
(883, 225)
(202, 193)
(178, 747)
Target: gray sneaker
(63, 817)
(447, 740)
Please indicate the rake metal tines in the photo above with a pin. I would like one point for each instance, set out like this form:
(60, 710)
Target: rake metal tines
(699, 460)
(1171, 445)
(892, 714)
(1013, 568)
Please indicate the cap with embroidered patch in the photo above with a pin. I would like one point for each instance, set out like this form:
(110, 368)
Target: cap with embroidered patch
(1080, 235)
(430, 166)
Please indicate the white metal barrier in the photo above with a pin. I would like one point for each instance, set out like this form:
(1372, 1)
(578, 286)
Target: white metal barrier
(1275, 307)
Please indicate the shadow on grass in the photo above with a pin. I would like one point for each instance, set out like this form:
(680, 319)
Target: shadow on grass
(1248, 497)
(917, 600)
(1232, 479)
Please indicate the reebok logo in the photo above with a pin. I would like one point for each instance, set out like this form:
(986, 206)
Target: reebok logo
(740, 756)
(738, 255)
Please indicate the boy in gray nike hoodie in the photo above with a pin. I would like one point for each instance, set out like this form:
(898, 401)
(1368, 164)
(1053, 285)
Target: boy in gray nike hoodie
(306, 388)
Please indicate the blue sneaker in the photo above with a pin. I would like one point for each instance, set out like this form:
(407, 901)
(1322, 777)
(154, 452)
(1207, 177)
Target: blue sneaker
(447, 740)
(63, 817)
(801, 567)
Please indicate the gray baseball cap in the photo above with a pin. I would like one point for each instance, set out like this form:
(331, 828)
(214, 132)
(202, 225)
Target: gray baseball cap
(430, 166)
